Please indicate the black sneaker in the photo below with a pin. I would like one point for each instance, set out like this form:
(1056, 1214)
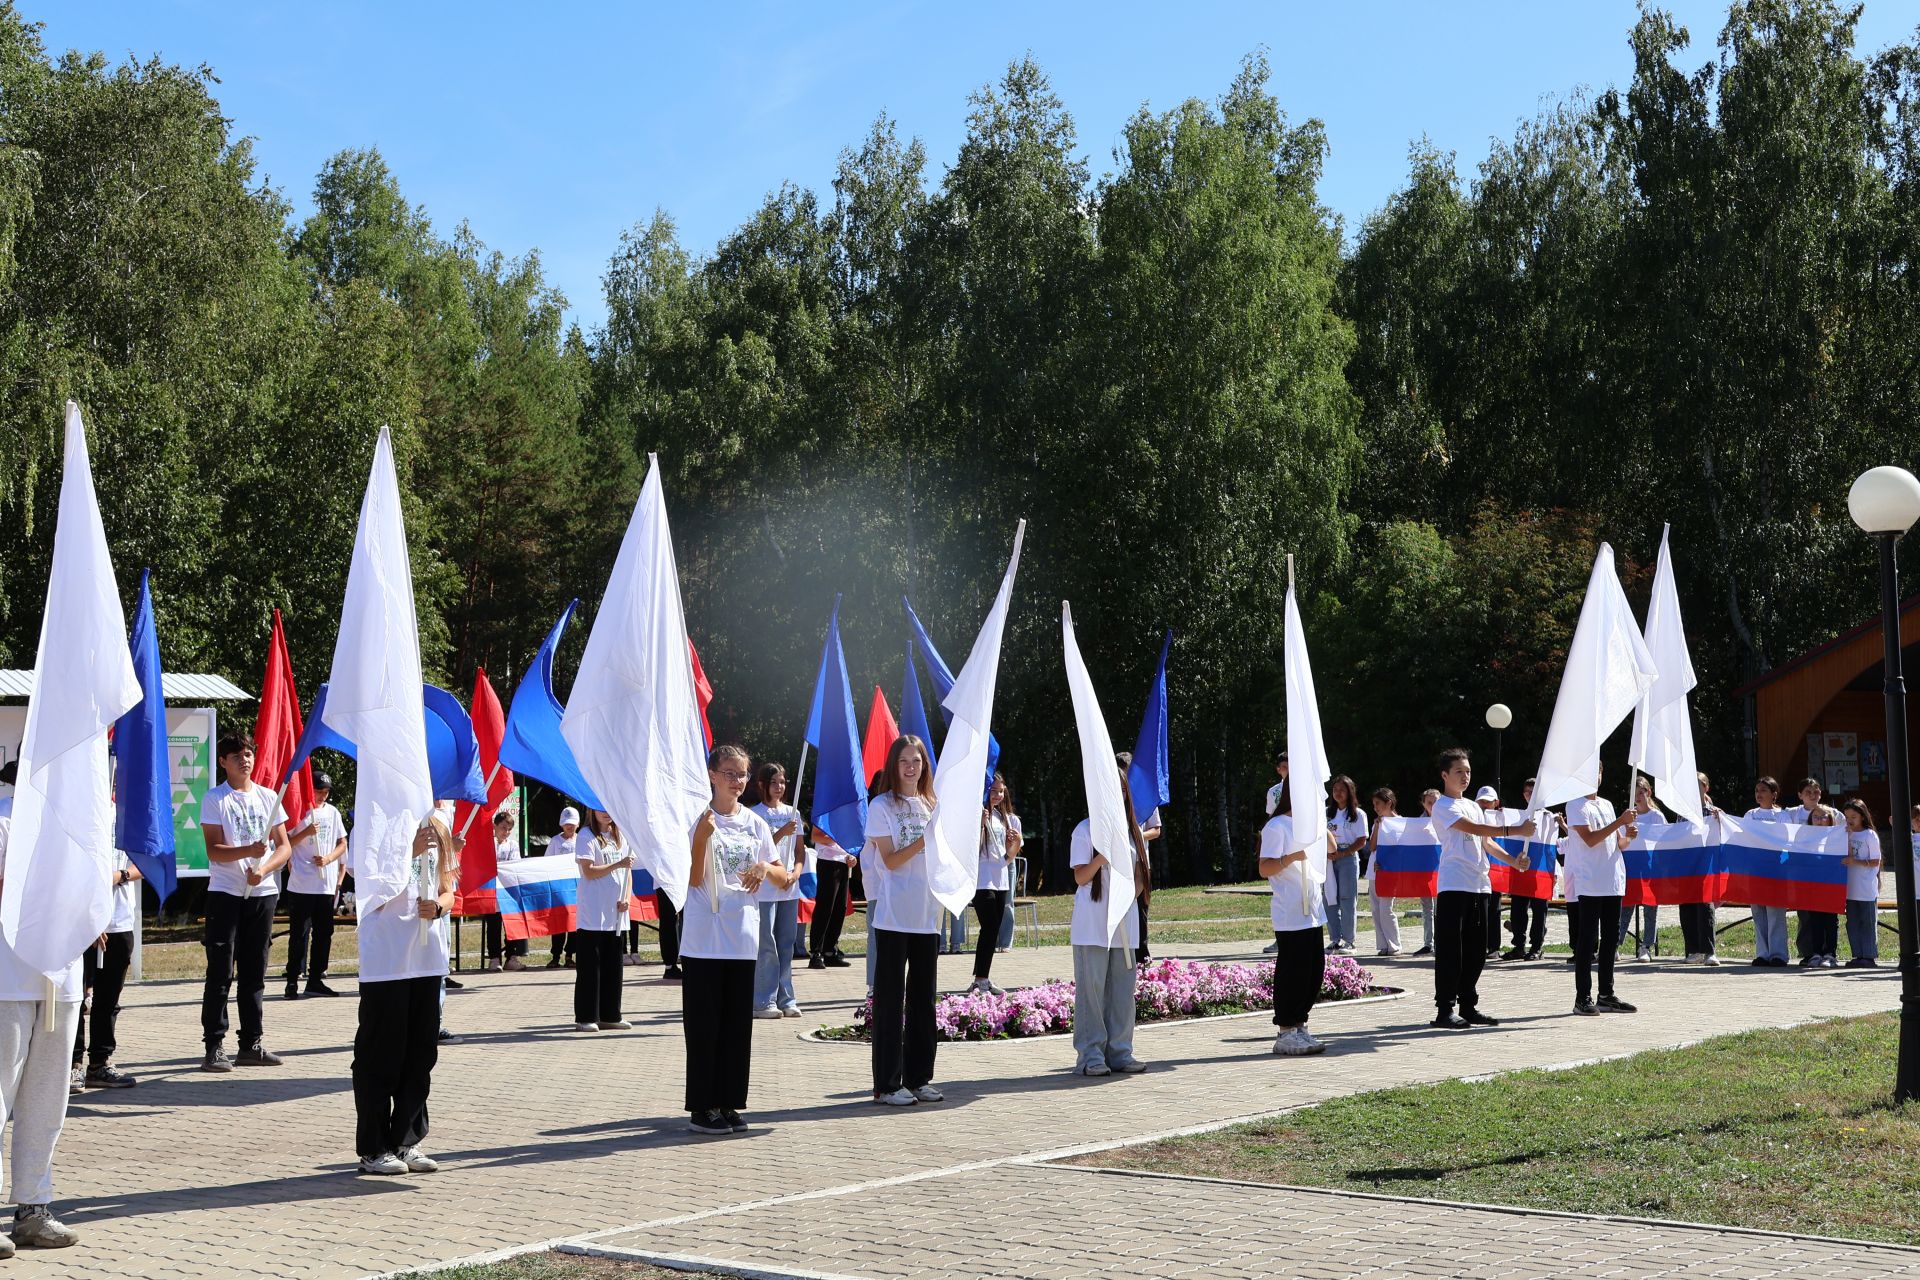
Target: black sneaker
(293, 991)
(713, 1122)
(1478, 1019)
(838, 962)
(1423, 951)
(1760, 962)
(815, 962)
(109, 1077)
(319, 988)
(256, 1056)
(445, 1036)
(216, 1060)
(1534, 954)
(454, 984)
(671, 973)
(1614, 1004)
(554, 963)
(1449, 1021)
(732, 1117)
(1515, 953)
(1586, 1008)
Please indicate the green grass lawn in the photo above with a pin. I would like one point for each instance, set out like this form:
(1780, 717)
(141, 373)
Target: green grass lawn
(1786, 1130)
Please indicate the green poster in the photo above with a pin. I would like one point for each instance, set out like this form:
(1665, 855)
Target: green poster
(190, 761)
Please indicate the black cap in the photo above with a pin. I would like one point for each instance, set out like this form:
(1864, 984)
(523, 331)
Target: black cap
(322, 782)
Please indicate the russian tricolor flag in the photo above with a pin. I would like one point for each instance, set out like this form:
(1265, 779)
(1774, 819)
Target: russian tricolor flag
(1674, 863)
(1783, 864)
(1543, 855)
(538, 897)
(1406, 858)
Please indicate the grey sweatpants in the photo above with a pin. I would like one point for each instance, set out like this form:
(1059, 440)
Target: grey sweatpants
(1102, 1005)
(34, 1062)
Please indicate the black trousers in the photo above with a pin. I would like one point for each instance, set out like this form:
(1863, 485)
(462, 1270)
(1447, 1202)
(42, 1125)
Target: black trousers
(239, 935)
(596, 976)
(829, 909)
(633, 937)
(1696, 928)
(1140, 953)
(1818, 934)
(309, 935)
(494, 942)
(670, 934)
(563, 942)
(106, 978)
(1597, 927)
(1299, 967)
(1459, 949)
(1491, 922)
(716, 1017)
(393, 1055)
(1527, 923)
(903, 994)
(989, 906)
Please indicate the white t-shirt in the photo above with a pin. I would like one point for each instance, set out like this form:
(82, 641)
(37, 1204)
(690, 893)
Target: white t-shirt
(395, 942)
(905, 898)
(597, 905)
(1863, 883)
(826, 850)
(567, 846)
(1273, 797)
(1463, 863)
(995, 869)
(1593, 870)
(507, 850)
(244, 817)
(18, 979)
(126, 897)
(1089, 927)
(721, 921)
(1290, 913)
(302, 875)
(1346, 830)
(790, 853)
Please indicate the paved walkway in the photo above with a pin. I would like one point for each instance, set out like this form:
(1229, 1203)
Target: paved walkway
(550, 1136)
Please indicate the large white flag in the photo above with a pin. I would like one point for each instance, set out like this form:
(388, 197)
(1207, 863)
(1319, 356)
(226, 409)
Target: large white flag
(960, 783)
(1307, 766)
(1106, 806)
(632, 718)
(57, 897)
(1608, 669)
(1662, 728)
(374, 699)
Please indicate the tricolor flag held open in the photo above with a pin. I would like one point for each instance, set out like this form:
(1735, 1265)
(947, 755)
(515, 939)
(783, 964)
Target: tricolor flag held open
(1406, 858)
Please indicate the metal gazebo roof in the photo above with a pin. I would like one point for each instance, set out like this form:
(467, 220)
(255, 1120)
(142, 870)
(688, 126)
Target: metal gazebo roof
(175, 687)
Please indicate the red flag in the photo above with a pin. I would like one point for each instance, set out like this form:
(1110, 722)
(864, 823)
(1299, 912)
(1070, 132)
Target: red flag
(882, 729)
(478, 861)
(702, 691)
(277, 730)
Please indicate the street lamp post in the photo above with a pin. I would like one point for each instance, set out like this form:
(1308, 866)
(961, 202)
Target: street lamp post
(1885, 503)
(1499, 716)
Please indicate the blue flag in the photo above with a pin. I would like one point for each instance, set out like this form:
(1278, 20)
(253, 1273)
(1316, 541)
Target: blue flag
(315, 735)
(913, 711)
(942, 676)
(839, 790)
(143, 785)
(1150, 778)
(533, 746)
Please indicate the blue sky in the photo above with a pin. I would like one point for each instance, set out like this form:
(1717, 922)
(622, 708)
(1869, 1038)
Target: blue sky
(555, 126)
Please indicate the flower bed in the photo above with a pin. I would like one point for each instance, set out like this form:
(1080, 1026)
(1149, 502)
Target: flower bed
(1165, 990)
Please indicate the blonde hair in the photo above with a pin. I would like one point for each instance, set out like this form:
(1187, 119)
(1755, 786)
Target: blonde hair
(442, 836)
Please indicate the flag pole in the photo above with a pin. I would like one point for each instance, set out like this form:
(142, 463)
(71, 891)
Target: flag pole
(1306, 881)
(474, 811)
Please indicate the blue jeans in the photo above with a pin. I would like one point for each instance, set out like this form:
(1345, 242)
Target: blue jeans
(1005, 941)
(1770, 933)
(773, 971)
(1649, 925)
(1863, 929)
(1102, 1006)
(953, 936)
(1344, 875)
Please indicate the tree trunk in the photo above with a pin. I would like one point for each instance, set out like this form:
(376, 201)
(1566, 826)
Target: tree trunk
(1198, 869)
(1225, 813)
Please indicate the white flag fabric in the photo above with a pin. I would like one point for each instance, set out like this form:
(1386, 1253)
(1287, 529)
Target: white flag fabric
(373, 697)
(1106, 806)
(1662, 743)
(1307, 767)
(1608, 669)
(632, 718)
(57, 897)
(960, 783)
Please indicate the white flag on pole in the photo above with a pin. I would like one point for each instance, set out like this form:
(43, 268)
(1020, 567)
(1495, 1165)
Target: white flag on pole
(1662, 726)
(56, 898)
(373, 695)
(960, 783)
(1608, 669)
(1106, 805)
(1307, 766)
(632, 718)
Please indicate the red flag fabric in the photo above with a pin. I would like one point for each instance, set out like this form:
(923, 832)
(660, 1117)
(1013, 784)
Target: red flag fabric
(277, 730)
(702, 691)
(478, 861)
(882, 729)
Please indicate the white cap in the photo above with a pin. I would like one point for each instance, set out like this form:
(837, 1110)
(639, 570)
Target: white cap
(569, 816)
(1487, 793)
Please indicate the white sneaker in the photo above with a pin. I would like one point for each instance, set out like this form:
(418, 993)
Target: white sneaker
(767, 1011)
(618, 1024)
(76, 1081)
(1096, 1069)
(416, 1160)
(927, 1093)
(986, 987)
(1643, 954)
(1695, 957)
(1711, 961)
(586, 1026)
(1296, 1043)
(386, 1164)
(790, 1011)
(898, 1098)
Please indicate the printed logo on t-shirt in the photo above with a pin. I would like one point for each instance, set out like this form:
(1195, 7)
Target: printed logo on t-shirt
(733, 849)
(246, 816)
(909, 819)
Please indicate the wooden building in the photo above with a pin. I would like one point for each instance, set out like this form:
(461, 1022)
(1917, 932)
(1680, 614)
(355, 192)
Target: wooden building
(1823, 715)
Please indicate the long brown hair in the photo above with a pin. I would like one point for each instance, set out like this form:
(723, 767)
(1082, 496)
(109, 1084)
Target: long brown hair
(890, 776)
(442, 836)
(1137, 840)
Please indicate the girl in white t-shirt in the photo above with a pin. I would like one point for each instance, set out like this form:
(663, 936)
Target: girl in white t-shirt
(1769, 923)
(604, 903)
(1103, 962)
(1818, 937)
(773, 995)
(1863, 886)
(1299, 918)
(403, 964)
(999, 846)
(733, 856)
(903, 928)
(1647, 817)
(1348, 825)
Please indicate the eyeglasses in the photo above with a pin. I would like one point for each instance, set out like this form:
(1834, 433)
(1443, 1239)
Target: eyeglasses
(731, 776)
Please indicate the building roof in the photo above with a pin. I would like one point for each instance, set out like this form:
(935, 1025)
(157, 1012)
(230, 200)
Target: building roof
(176, 687)
(1813, 655)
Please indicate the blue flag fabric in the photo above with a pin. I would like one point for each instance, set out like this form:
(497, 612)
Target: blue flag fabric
(453, 753)
(315, 735)
(143, 785)
(913, 711)
(839, 790)
(1150, 778)
(533, 746)
(942, 676)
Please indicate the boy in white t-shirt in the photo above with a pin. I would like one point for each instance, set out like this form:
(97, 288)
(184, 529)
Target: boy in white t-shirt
(313, 880)
(246, 835)
(1597, 876)
(565, 845)
(1459, 925)
(104, 975)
